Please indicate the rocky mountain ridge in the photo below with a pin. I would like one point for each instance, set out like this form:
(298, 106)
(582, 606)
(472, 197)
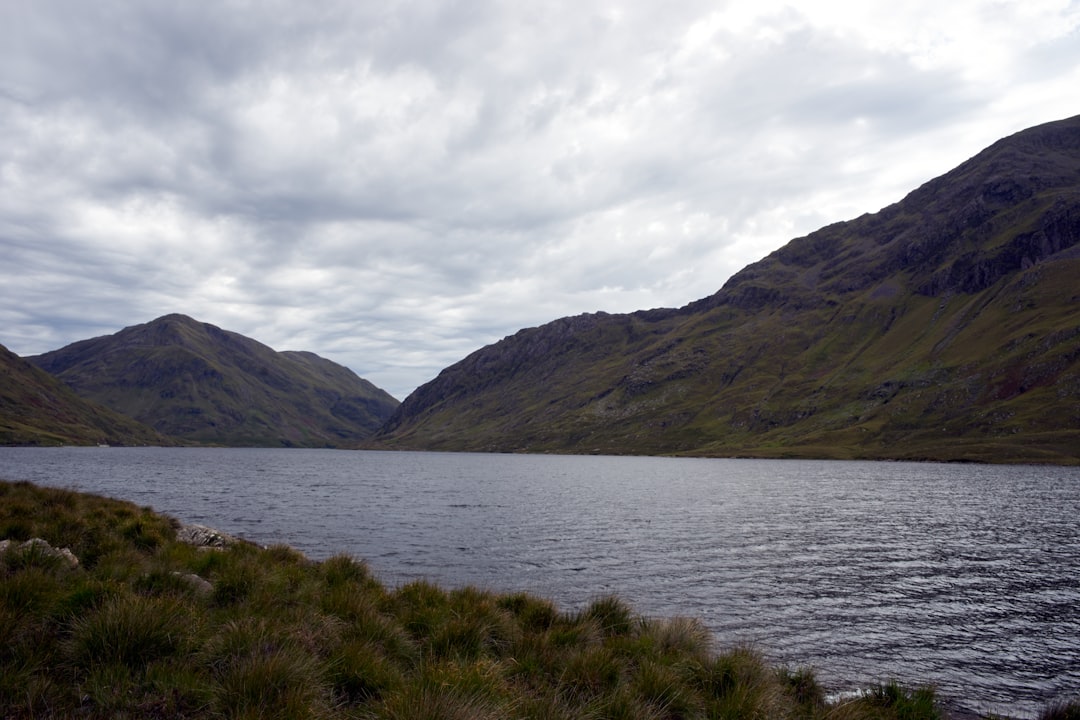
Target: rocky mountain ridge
(200, 384)
(945, 326)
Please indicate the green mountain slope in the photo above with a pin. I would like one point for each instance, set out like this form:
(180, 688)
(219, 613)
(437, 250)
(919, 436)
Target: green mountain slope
(38, 409)
(202, 384)
(946, 326)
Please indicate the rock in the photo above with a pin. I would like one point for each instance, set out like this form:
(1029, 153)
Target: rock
(202, 536)
(42, 547)
(198, 584)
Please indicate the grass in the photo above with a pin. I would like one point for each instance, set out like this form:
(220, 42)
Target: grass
(128, 633)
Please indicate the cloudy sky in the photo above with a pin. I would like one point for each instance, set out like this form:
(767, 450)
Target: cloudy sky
(394, 184)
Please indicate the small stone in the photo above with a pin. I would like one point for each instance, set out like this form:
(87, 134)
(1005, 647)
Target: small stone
(198, 584)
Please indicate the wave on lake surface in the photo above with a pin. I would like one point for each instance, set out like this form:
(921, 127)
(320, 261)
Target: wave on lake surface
(963, 576)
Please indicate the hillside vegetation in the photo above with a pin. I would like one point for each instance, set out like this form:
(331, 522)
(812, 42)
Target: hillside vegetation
(198, 383)
(945, 327)
(128, 621)
(38, 409)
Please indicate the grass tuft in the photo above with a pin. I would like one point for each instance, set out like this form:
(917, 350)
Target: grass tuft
(592, 671)
(343, 569)
(282, 682)
(803, 685)
(678, 637)
(613, 616)
(1062, 710)
(662, 687)
(531, 612)
(130, 630)
(904, 702)
(426, 701)
(360, 671)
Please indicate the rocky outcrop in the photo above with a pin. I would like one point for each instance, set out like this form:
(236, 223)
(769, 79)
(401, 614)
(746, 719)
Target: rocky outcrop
(205, 537)
(39, 547)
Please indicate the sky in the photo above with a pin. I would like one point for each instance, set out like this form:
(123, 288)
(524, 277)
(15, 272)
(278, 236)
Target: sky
(395, 184)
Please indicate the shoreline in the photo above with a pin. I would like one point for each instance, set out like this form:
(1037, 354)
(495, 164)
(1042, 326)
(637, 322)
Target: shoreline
(208, 542)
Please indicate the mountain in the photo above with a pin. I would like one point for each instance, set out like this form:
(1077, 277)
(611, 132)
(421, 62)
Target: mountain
(198, 383)
(38, 409)
(945, 326)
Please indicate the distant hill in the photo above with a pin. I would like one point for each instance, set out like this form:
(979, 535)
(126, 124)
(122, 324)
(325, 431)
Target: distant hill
(38, 409)
(199, 383)
(945, 326)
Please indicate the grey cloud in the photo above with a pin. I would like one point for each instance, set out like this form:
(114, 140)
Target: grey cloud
(394, 184)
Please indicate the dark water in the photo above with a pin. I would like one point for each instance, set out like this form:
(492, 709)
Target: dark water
(967, 577)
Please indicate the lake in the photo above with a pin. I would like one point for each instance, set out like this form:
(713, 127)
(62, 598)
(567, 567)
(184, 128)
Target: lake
(963, 576)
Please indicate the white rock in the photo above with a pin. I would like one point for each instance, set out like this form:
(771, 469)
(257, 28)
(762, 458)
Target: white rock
(41, 546)
(202, 536)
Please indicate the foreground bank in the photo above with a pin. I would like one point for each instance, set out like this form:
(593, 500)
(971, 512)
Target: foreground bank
(138, 620)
